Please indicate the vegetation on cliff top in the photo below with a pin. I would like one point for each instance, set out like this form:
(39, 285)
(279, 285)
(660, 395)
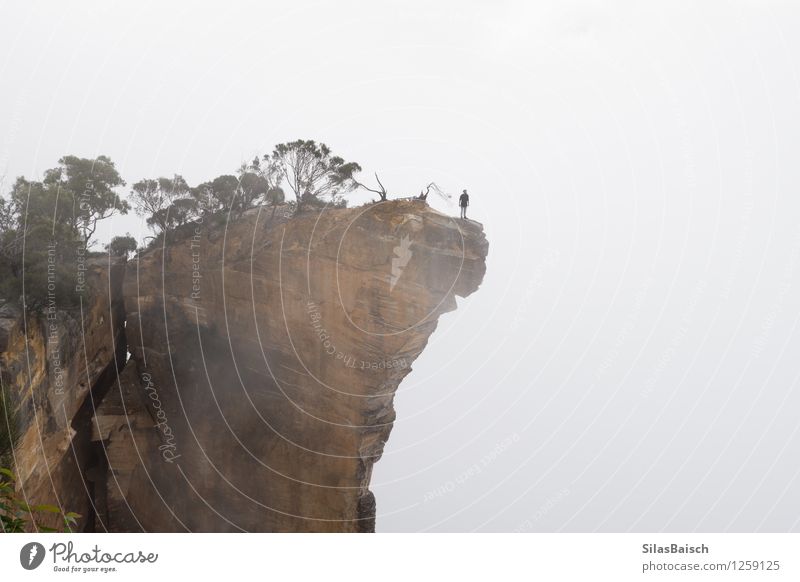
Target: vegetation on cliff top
(47, 227)
(310, 171)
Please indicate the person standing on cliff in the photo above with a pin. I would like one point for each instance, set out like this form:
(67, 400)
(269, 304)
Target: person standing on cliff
(463, 202)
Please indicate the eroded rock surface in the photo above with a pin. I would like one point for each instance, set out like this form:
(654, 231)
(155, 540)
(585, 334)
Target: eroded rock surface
(265, 360)
(54, 367)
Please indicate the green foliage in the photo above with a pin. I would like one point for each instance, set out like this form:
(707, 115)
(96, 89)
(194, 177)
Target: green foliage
(223, 188)
(314, 175)
(227, 193)
(11, 242)
(16, 515)
(312, 172)
(40, 204)
(8, 429)
(152, 199)
(122, 246)
(8, 214)
(181, 211)
(274, 196)
(178, 213)
(45, 228)
(89, 185)
(45, 241)
(251, 187)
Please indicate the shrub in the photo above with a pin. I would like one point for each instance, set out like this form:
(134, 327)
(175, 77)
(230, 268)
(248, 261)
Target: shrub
(16, 515)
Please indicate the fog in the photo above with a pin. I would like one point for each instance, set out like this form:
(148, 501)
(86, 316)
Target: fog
(630, 361)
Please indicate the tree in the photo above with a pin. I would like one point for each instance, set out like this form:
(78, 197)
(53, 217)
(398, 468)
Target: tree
(312, 173)
(381, 192)
(48, 277)
(152, 197)
(122, 246)
(33, 202)
(11, 238)
(439, 192)
(180, 212)
(206, 203)
(46, 227)
(41, 244)
(89, 185)
(217, 195)
(262, 179)
(251, 187)
(274, 197)
(8, 214)
(223, 190)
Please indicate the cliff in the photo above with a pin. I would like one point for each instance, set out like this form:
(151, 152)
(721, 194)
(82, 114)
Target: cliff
(266, 355)
(53, 367)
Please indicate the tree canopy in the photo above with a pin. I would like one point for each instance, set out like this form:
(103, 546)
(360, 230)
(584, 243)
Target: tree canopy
(152, 197)
(312, 172)
(89, 185)
(46, 228)
(52, 220)
(122, 246)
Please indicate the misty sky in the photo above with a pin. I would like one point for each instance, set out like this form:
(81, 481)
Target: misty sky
(630, 361)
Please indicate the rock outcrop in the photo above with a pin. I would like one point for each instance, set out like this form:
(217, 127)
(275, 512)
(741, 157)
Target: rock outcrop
(265, 359)
(54, 367)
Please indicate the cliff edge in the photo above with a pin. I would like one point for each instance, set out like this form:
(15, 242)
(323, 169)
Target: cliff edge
(265, 358)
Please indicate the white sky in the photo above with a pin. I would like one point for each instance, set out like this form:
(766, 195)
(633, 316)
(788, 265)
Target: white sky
(635, 167)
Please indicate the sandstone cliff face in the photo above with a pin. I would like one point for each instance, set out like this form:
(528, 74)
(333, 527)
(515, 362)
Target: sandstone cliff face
(53, 367)
(266, 355)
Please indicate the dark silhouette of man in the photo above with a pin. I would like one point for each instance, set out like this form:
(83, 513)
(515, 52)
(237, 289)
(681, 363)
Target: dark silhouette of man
(463, 202)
